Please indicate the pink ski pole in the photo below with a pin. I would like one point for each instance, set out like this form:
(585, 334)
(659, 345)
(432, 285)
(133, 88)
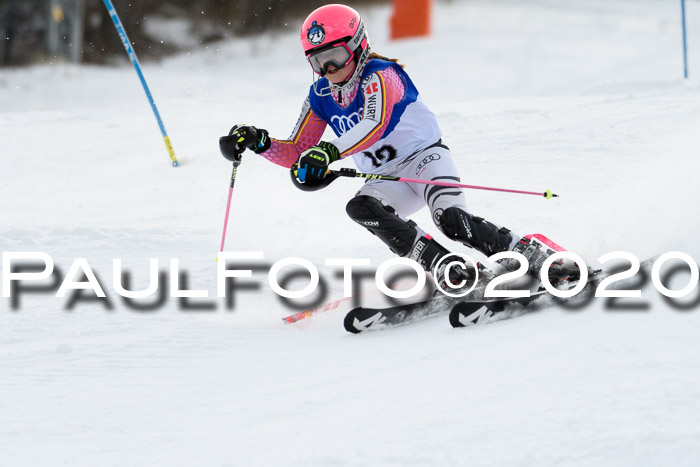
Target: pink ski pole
(236, 163)
(353, 173)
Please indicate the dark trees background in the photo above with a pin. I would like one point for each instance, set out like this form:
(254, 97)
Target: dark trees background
(24, 24)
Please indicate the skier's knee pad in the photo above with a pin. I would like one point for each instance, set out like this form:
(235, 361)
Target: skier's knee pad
(473, 231)
(382, 221)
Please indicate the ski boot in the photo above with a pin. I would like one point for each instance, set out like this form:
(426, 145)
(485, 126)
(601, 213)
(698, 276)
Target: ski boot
(561, 272)
(429, 254)
(461, 277)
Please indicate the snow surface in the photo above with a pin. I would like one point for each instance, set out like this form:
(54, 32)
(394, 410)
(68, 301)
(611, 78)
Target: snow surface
(585, 98)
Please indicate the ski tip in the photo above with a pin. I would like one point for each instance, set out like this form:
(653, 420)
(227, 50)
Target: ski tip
(466, 314)
(348, 323)
(454, 319)
(456, 314)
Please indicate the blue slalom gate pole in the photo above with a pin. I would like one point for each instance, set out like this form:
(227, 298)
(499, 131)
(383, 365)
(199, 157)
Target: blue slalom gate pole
(685, 43)
(132, 56)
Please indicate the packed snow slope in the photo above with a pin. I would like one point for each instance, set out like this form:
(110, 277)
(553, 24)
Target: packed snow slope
(585, 98)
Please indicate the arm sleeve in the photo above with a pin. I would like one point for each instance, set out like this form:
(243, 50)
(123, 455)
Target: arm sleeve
(382, 90)
(307, 132)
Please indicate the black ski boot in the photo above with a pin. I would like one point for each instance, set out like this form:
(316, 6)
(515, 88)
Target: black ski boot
(427, 252)
(474, 231)
(461, 276)
(560, 272)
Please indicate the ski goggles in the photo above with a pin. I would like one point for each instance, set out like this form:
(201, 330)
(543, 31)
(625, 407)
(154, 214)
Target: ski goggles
(336, 55)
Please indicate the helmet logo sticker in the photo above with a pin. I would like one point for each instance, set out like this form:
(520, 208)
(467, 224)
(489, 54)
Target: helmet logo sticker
(359, 35)
(316, 33)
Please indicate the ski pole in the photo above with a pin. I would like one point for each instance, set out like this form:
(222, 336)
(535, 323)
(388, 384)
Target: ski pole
(685, 44)
(345, 172)
(307, 313)
(236, 163)
(135, 61)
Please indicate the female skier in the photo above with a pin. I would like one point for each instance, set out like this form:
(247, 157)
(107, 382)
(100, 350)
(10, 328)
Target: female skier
(381, 122)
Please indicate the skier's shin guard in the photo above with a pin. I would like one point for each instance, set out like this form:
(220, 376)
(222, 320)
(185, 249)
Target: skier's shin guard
(402, 236)
(475, 232)
(399, 234)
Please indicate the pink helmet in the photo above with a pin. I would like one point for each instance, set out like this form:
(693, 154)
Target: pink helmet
(333, 35)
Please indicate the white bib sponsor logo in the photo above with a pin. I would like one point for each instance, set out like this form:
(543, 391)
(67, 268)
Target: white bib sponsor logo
(343, 123)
